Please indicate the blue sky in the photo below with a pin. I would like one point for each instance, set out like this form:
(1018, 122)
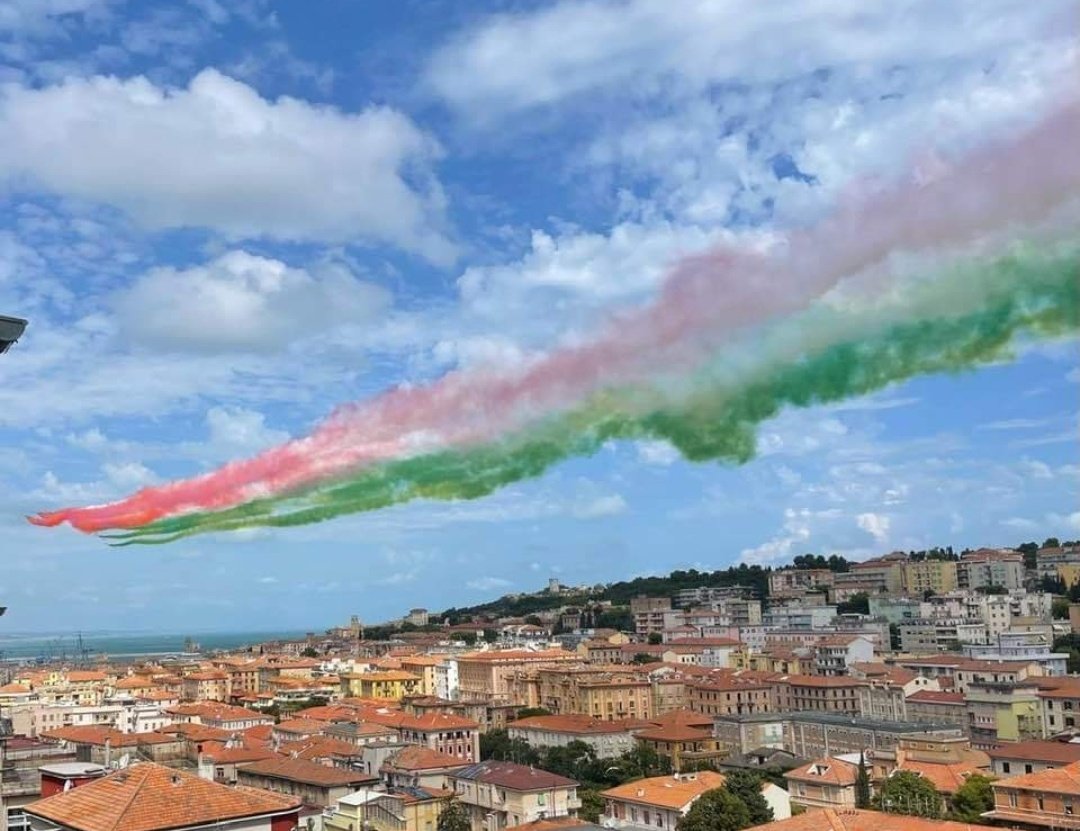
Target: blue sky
(224, 218)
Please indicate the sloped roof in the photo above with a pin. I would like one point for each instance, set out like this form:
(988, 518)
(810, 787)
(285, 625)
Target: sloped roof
(829, 769)
(513, 776)
(667, 791)
(150, 797)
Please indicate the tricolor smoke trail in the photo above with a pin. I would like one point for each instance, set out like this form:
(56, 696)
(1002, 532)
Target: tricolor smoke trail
(933, 276)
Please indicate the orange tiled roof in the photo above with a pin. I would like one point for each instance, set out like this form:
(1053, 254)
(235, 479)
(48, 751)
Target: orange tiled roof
(1064, 780)
(936, 697)
(1062, 753)
(667, 791)
(421, 758)
(319, 747)
(570, 723)
(855, 820)
(829, 770)
(149, 797)
(947, 779)
(308, 773)
(675, 733)
(14, 689)
(300, 725)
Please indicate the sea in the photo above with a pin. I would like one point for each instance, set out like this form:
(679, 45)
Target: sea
(49, 646)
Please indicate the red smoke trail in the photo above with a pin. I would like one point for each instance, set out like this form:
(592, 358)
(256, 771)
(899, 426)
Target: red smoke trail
(703, 301)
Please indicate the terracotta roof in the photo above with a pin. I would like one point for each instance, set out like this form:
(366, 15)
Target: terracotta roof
(238, 755)
(308, 773)
(92, 735)
(513, 776)
(936, 697)
(134, 682)
(149, 797)
(497, 655)
(300, 725)
(855, 820)
(427, 722)
(215, 711)
(821, 681)
(421, 758)
(556, 824)
(675, 733)
(1064, 780)
(683, 718)
(320, 747)
(667, 791)
(946, 778)
(570, 723)
(196, 732)
(14, 689)
(829, 769)
(1062, 753)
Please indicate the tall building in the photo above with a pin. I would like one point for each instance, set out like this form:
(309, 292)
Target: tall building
(937, 576)
(649, 613)
(990, 567)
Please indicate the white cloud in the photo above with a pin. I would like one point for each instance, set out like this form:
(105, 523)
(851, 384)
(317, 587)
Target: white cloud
(217, 155)
(35, 16)
(660, 453)
(486, 584)
(512, 62)
(242, 302)
(876, 525)
(1020, 523)
(1036, 469)
(602, 506)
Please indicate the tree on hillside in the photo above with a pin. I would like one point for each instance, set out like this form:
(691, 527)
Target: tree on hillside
(856, 604)
(529, 712)
(1051, 542)
(655, 638)
(862, 784)
(974, 798)
(746, 785)
(715, 810)
(454, 817)
(1059, 608)
(905, 792)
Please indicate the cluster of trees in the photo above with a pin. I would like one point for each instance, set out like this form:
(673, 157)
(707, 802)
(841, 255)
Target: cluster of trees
(905, 792)
(737, 805)
(833, 563)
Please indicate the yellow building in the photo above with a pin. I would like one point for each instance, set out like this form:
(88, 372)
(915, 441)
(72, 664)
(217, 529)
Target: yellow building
(1069, 573)
(417, 809)
(390, 685)
(601, 693)
(423, 666)
(938, 576)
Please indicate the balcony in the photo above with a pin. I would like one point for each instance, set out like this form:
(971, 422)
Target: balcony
(1027, 816)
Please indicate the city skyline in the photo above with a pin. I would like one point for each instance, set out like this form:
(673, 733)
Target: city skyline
(445, 189)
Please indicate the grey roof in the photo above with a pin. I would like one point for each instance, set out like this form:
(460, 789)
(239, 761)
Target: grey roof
(810, 717)
(514, 776)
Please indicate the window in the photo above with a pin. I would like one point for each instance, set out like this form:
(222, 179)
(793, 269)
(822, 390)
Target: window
(1028, 769)
(1068, 806)
(1006, 767)
(1039, 801)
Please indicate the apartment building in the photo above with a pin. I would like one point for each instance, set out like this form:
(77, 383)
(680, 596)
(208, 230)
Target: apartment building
(797, 581)
(396, 809)
(919, 577)
(502, 794)
(1003, 712)
(151, 797)
(1030, 644)
(209, 685)
(824, 783)
(940, 634)
(486, 676)
(598, 692)
(937, 707)
(703, 595)
(608, 739)
(658, 802)
(310, 782)
(1050, 562)
(990, 567)
(388, 685)
(648, 613)
(835, 654)
(1031, 757)
(729, 695)
(1046, 799)
(809, 693)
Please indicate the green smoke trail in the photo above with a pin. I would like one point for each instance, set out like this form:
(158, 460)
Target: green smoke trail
(969, 318)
